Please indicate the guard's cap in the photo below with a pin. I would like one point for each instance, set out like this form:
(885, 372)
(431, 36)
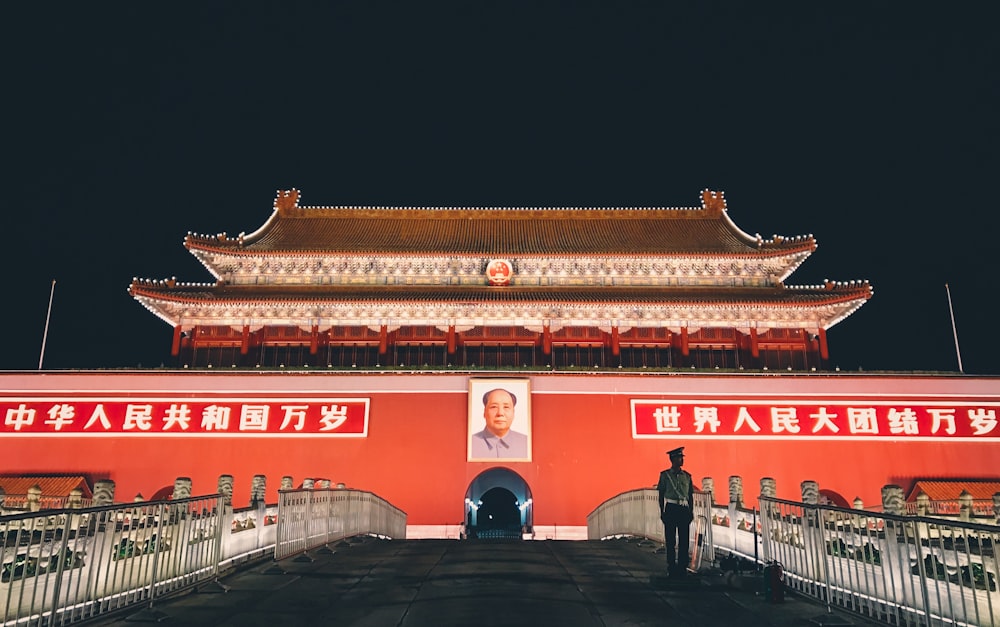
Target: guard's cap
(677, 452)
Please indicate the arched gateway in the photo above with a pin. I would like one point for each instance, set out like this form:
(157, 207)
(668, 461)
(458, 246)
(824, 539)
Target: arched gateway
(498, 503)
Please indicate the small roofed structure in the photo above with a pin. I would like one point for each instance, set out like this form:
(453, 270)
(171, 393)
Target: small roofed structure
(49, 492)
(951, 489)
(545, 287)
(965, 498)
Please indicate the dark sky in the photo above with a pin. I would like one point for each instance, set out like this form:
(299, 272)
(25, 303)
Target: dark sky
(873, 128)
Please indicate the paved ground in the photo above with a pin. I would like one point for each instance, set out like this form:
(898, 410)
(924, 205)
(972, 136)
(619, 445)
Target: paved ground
(417, 583)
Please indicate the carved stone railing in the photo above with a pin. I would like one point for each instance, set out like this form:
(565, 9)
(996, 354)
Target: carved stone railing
(62, 566)
(884, 564)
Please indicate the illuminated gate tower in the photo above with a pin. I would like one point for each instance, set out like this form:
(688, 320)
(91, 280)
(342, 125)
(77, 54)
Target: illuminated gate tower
(493, 287)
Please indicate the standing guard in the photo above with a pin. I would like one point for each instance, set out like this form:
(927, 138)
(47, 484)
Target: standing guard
(676, 497)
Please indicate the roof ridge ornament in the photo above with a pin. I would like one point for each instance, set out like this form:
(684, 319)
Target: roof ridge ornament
(712, 201)
(287, 199)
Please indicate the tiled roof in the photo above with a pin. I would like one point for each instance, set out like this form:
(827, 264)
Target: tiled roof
(51, 486)
(949, 490)
(704, 230)
(508, 294)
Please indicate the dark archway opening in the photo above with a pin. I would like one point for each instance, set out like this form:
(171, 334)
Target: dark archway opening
(499, 515)
(498, 504)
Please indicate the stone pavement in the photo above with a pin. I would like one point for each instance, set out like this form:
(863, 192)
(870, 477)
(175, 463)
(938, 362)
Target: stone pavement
(391, 583)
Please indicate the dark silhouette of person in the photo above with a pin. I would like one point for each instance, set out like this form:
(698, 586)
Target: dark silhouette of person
(676, 496)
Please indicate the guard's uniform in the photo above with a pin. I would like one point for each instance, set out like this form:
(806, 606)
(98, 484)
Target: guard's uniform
(676, 492)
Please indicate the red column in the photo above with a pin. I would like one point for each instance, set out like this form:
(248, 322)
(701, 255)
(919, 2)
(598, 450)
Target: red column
(245, 340)
(314, 339)
(824, 350)
(754, 345)
(175, 346)
(546, 340)
(383, 340)
(685, 349)
(451, 339)
(615, 346)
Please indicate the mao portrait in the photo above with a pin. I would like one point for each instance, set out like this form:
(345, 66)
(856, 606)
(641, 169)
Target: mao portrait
(499, 420)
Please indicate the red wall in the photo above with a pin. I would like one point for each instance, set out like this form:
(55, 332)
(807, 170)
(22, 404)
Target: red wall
(415, 452)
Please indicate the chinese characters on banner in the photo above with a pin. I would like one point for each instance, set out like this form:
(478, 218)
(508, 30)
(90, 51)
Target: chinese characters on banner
(215, 416)
(811, 419)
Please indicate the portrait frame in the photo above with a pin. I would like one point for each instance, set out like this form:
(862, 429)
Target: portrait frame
(521, 389)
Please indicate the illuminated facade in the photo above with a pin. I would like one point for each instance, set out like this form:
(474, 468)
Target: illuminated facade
(593, 435)
(501, 287)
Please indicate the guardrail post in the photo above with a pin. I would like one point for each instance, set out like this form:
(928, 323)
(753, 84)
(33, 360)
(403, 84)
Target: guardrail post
(897, 551)
(280, 533)
(225, 488)
(327, 519)
(965, 506)
(813, 535)
(104, 492)
(258, 490)
(261, 524)
(307, 524)
(735, 502)
(702, 536)
(258, 498)
(768, 509)
(150, 614)
(708, 485)
(61, 556)
(223, 530)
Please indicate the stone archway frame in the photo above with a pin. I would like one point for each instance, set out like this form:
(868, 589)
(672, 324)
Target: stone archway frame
(499, 477)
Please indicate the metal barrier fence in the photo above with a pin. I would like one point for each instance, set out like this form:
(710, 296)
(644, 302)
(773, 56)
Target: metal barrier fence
(898, 569)
(68, 565)
(311, 518)
(901, 570)
(64, 566)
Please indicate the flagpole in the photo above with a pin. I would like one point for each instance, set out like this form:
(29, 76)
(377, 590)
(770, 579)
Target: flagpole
(48, 315)
(954, 331)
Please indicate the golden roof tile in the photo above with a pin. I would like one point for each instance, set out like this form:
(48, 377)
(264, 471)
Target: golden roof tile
(705, 230)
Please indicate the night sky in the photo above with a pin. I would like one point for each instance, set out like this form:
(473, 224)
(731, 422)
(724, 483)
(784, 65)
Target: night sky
(874, 128)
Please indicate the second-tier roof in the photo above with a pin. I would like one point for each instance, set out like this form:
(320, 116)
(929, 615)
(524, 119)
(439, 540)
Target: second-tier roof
(704, 230)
